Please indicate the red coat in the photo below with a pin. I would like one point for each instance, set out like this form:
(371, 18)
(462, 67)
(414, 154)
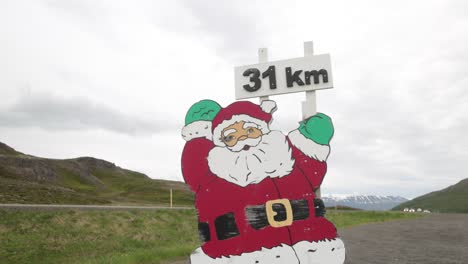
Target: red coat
(216, 197)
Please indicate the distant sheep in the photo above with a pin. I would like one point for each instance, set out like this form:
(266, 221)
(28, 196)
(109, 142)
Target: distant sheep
(412, 210)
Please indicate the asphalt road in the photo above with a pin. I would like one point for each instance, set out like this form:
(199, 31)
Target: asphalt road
(87, 207)
(432, 239)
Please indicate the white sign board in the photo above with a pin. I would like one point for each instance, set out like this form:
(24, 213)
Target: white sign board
(286, 76)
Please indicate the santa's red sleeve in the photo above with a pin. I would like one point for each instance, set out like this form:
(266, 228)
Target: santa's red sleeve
(310, 157)
(195, 164)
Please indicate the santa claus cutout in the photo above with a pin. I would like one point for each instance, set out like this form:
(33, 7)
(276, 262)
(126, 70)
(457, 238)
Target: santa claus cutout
(255, 187)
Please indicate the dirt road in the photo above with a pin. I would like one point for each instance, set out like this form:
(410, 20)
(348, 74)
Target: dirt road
(433, 239)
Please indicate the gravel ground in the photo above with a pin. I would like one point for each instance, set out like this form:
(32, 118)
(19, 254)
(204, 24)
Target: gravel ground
(433, 239)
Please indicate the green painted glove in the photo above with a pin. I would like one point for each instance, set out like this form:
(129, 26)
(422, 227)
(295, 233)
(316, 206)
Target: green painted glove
(318, 128)
(205, 110)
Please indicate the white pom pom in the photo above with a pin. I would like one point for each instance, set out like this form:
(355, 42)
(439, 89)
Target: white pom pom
(268, 106)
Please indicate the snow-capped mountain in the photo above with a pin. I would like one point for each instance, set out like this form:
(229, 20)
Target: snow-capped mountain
(365, 202)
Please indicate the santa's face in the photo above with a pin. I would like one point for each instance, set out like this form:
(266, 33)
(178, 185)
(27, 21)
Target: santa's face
(252, 158)
(241, 136)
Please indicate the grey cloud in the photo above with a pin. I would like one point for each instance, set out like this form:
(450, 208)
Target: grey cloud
(235, 26)
(405, 130)
(77, 113)
(89, 10)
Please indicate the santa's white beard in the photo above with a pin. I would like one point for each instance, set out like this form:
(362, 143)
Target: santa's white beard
(271, 157)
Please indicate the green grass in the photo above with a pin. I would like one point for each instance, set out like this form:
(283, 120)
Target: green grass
(94, 237)
(352, 218)
(15, 191)
(73, 181)
(132, 187)
(342, 207)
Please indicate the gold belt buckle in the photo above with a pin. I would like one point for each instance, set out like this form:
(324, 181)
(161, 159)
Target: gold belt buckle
(271, 213)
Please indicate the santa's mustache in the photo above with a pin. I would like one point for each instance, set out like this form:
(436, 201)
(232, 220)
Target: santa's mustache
(270, 156)
(246, 144)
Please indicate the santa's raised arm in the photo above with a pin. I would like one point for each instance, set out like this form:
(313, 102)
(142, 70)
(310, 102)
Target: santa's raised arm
(311, 143)
(197, 132)
(218, 138)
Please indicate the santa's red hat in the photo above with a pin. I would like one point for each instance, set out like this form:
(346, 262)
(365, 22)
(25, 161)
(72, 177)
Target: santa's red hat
(246, 111)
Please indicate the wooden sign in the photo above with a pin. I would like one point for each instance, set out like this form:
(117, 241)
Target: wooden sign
(286, 76)
(258, 190)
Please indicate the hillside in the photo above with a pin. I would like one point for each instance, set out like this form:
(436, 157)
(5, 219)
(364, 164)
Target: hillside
(6, 150)
(85, 180)
(453, 199)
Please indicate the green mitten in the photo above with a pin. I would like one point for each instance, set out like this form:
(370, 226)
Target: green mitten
(204, 110)
(198, 120)
(318, 128)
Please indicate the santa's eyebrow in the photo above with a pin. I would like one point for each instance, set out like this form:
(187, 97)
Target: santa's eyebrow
(246, 125)
(229, 131)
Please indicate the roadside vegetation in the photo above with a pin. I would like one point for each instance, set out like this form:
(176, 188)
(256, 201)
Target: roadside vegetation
(343, 219)
(127, 236)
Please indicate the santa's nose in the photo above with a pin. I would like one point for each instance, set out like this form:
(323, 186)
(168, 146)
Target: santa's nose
(243, 137)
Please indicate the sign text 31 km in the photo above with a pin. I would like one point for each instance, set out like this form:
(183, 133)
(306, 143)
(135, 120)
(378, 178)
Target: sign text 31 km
(286, 76)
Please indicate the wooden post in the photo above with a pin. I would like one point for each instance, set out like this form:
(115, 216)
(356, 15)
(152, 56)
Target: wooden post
(309, 106)
(262, 58)
(171, 197)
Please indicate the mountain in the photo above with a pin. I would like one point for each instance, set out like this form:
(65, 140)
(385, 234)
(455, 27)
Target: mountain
(364, 202)
(6, 150)
(29, 179)
(453, 199)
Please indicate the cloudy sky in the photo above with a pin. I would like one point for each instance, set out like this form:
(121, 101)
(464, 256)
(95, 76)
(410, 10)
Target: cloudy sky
(113, 80)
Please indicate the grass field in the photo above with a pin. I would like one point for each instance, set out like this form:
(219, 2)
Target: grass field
(139, 236)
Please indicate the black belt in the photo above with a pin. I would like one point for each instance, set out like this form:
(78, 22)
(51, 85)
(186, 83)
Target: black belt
(277, 213)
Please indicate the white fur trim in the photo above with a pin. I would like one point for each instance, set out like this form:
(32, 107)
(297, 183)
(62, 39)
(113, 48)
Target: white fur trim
(276, 255)
(324, 251)
(262, 125)
(268, 106)
(309, 147)
(303, 252)
(197, 129)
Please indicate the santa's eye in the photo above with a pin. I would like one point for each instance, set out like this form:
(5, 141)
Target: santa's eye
(250, 130)
(228, 138)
